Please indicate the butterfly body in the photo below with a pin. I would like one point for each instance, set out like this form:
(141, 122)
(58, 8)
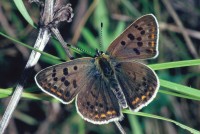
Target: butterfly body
(104, 65)
(110, 81)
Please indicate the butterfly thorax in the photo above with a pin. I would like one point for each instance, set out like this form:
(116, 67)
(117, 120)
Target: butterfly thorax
(103, 65)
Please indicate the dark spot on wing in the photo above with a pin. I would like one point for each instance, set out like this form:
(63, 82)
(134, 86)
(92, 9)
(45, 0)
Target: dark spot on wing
(55, 79)
(66, 83)
(149, 51)
(65, 71)
(144, 84)
(67, 94)
(139, 44)
(74, 83)
(142, 32)
(144, 78)
(136, 51)
(54, 70)
(130, 36)
(75, 67)
(101, 105)
(140, 28)
(88, 103)
(49, 84)
(123, 43)
(139, 38)
(55, 87)
(63, 79)
(150, 94)
(54, 74)
(91, 106)
(136, 26)
(60, 90)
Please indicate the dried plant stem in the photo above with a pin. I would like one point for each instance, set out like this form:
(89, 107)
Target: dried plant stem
(83, 21)
(174, 28)
(43, 38)
(180, 25)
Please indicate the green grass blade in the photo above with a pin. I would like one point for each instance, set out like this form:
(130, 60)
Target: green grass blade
(59, 49)
(25, 118)
(133, 10)
(175, 64)
(178, 95)
(32, 48)
(135, 124)
(192, 92)
(50, 60)
(193, 131)
(8, 92)
(22, 9)
(90, 38)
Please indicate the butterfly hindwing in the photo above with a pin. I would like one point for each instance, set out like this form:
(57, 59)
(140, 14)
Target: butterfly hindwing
(96, 102)
(64, 81)
(138, 41)
(138, 82)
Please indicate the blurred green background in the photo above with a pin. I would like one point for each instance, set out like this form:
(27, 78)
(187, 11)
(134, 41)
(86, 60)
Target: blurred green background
(176, 43)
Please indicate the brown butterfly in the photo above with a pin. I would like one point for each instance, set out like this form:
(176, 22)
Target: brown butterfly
(110, 81)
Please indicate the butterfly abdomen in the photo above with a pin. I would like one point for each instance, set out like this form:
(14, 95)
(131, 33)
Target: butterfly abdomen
(118, 92)
(107, 71)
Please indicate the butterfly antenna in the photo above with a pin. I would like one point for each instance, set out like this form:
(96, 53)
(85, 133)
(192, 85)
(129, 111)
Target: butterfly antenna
(100, 38)
(120, 127)
(66, 46)
(79, 50)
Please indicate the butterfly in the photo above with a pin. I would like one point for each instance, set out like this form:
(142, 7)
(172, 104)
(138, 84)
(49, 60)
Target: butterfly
(105, 84)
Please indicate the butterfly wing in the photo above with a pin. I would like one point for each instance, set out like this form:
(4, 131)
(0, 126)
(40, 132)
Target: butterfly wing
(65, 80)
(138, 82)
(96, 102)
(138, 41)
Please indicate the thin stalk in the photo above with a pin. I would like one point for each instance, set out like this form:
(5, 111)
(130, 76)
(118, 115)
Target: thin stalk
(63, 43)
(120, 127)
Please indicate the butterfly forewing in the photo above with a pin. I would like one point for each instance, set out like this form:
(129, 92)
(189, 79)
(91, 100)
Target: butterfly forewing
(65, 80)
(138, 82)
(96, 102)
(138, 41)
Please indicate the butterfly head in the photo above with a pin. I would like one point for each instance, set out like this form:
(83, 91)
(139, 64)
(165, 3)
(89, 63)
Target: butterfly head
(98, 53)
